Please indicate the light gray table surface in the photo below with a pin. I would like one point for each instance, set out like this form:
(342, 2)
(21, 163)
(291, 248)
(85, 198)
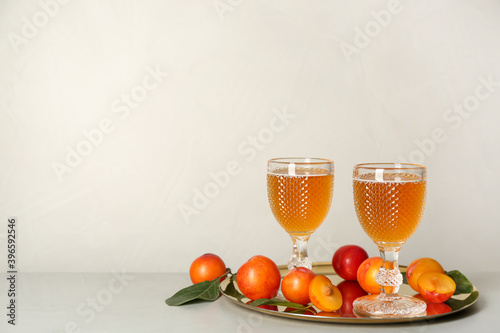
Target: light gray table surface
(134, 302)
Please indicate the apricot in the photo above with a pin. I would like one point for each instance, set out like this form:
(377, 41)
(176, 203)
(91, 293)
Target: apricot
(420, 266)
(324, 295)
(207, 267)
(436, 287)
(258, 278)
(367, 275)
(295, 285)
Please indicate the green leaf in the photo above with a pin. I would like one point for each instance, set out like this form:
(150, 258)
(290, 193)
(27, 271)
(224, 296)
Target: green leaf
(231, 289)
(206, 291)
(278, 302)
(456, 304)
(464, 286)
(301, 311)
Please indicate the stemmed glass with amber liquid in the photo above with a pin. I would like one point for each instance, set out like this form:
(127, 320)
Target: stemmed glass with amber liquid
(300, 194)
(389, 199)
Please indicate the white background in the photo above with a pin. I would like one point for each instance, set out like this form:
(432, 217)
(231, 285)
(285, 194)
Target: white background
(367, 81)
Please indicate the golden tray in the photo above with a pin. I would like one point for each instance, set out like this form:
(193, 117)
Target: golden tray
(457, 302)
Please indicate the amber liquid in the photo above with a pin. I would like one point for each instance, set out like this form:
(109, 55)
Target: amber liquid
(390, 210)
(301, 202)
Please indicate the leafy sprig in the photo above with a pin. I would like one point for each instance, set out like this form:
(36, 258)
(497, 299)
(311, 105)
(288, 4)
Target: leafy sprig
(210, 291)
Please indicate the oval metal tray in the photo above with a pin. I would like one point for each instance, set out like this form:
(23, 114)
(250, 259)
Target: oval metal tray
(230, 290)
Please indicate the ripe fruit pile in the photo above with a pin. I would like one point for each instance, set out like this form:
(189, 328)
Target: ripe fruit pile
(259, 278)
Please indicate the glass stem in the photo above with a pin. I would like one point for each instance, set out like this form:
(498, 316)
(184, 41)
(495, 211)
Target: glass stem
(300, 247)
(389, 277)
(299, 255)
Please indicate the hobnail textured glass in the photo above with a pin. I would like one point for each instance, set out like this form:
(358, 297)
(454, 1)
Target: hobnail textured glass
(389, 199)
(300, 195)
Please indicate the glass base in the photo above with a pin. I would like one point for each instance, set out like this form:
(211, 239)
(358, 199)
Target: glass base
(382, 306)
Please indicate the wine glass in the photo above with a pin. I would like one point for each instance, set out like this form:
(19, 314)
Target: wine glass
(389, 200)
(300, 194)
